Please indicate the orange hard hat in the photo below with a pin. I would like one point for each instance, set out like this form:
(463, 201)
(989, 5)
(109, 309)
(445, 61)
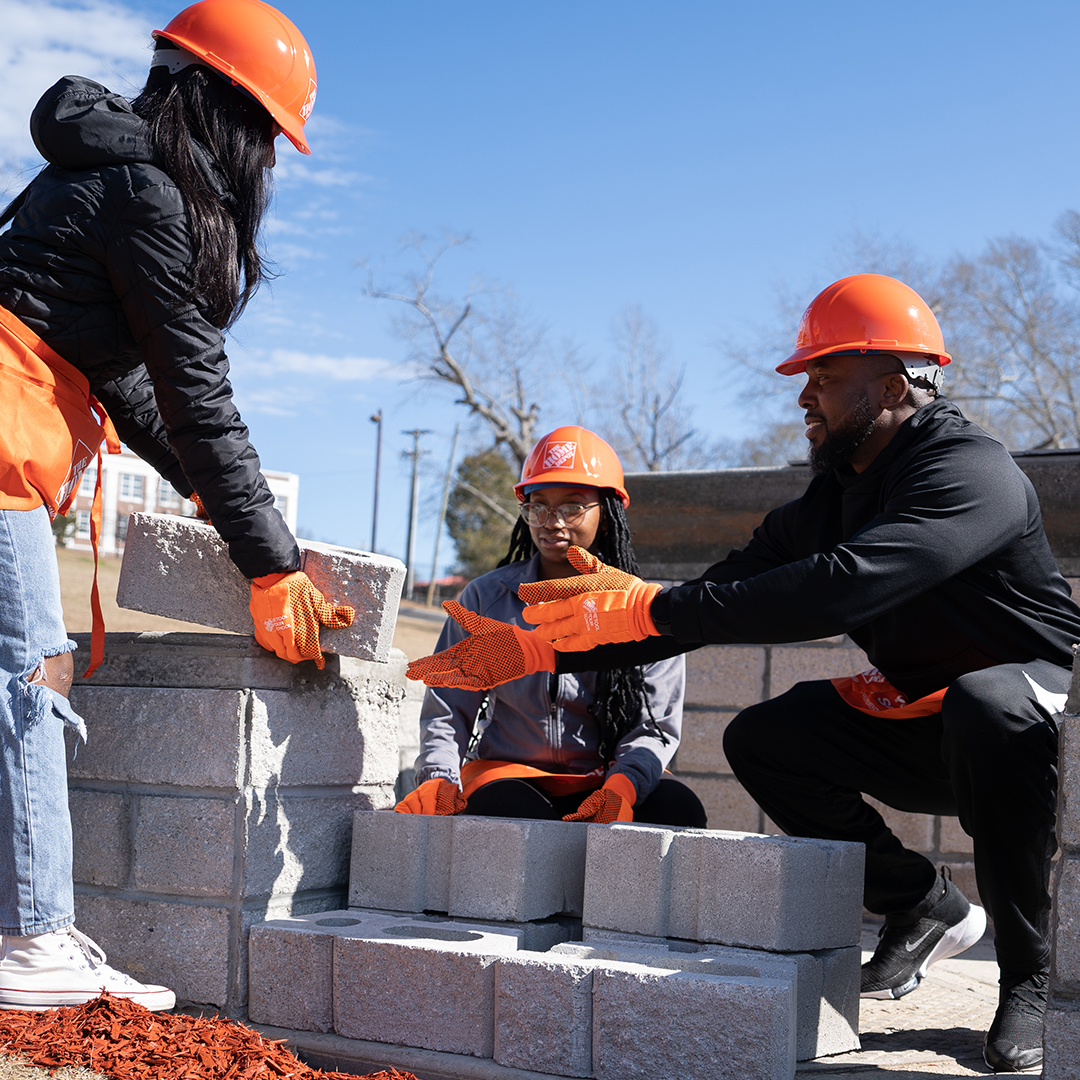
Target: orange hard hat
(867, 313)
(258, 48)
(572, 455)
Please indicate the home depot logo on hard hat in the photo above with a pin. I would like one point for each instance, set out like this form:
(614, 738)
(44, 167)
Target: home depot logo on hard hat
(559, 455)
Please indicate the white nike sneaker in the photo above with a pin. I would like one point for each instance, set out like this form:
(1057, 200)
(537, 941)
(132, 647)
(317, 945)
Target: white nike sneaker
(64, 967)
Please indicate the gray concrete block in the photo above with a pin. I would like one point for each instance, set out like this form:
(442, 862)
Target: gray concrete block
(185, 660)
(185, 847)
(791, 664)
(543, 1014)
(1065, 951)
(100, 838)
(191, 738)
(1061, 1044)
(731, 675)
(296, 842)
(826, 983)
(516, 870)
(628, 878)
(762, 892)
(428, 985)
(401, 862)
(179, 567)
(650, 1023)
(1068, 805)
(291, 978)
(766, 892)
(182, 946)
(701, 749)
(340, 731)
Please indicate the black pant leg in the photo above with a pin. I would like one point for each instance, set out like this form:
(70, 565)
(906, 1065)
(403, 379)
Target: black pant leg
(1001, 744)
(671, 803)
(806, 757)
(512, 798)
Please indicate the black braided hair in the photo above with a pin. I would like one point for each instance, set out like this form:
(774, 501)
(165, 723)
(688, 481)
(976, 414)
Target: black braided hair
(620, 692)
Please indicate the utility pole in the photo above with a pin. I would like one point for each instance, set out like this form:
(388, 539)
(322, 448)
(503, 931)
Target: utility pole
(376, 419)
(442, 516)
(414, 504)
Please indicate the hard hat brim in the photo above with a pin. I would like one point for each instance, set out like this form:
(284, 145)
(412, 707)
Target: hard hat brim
(796, 363)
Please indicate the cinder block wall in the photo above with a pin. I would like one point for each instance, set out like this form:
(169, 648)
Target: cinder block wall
(218, 788)
(683, 522)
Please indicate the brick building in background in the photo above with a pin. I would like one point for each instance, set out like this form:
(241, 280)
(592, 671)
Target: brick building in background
(130, 485)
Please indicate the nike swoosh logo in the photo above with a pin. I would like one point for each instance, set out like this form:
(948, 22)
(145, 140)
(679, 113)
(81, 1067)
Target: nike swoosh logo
(911, 946)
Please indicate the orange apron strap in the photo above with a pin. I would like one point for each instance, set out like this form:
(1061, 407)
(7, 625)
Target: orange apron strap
(476, 773)
(97, 630)
(871, 693)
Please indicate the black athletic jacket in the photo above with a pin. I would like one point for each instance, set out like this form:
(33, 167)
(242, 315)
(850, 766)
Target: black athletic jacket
(98, 262)
(934, 560)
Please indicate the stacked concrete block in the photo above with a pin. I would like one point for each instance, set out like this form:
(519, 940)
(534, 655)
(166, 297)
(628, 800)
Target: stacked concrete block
(180, 568)
(1062, 1036)
(218, 785)
(763, 892)
(826, 981)
(510, 870)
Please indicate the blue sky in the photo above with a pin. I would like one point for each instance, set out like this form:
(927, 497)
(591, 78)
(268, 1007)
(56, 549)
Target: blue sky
(688, 157)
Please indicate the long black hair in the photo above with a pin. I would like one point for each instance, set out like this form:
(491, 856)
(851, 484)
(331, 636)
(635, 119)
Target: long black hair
(620, 698)
(198, 106)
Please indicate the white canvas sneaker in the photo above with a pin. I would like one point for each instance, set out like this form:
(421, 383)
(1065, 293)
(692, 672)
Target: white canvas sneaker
(65, 967)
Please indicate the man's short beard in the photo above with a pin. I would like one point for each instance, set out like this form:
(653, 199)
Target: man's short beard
(840, 443)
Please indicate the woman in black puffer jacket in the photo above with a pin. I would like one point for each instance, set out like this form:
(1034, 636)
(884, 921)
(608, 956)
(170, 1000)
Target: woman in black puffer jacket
(128, 256)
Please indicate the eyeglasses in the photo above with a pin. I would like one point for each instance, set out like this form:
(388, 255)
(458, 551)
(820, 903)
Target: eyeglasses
(537, 514)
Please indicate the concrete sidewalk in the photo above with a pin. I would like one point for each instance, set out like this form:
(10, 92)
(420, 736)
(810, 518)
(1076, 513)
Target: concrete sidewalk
(936, 1030)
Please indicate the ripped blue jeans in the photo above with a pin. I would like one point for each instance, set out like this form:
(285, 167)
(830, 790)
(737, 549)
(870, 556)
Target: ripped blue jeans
(35, 827)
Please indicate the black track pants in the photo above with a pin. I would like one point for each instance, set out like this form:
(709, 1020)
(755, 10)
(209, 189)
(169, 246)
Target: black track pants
(989, 757)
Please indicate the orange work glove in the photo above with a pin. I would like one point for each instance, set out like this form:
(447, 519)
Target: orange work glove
(612, 802)
(600, 607)
(493, 653)
(439, 797)
(200, 510)
(287, 610)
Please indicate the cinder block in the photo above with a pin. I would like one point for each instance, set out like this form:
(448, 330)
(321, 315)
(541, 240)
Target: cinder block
(543, 1014)
(100, 841)
(291, 978)
(827, 982)
(1068, 806)
(182, 946)
(343, 730)
(180, 568)
(914, 831)
(507, 869)
(953, 837)
(649, 1023)
(764, 892)
(400, 862)
(701, 748)
(628, 879)
(727, 803)
(1065, 953)
(185, 846)
(725, 675)
(516, 870)
(1061, 1044)
(792, 664)
(190, 738)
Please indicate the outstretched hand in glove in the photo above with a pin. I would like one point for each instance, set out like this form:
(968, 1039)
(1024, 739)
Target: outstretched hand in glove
(612, 802)
(287, 610)
(493, 653)
(599, 607)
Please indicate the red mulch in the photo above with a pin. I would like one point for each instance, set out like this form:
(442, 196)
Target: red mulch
(128, 1042)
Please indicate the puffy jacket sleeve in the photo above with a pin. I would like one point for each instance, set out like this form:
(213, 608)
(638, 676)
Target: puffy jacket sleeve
(148, 260)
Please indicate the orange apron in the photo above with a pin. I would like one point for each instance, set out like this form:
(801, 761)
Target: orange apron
(870, 692)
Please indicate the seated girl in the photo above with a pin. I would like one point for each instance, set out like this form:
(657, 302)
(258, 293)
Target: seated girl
(586, 747)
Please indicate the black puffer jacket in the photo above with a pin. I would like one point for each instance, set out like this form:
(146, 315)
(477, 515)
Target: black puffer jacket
(98, 261)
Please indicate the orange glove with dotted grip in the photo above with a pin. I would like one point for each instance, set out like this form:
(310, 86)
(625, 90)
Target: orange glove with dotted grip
(602, 606)
(287, 610)
(493, 653)
(439, 797)
(200, 510)
(612, 802)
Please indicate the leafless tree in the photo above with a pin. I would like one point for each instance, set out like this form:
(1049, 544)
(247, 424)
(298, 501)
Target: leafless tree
(480, 343)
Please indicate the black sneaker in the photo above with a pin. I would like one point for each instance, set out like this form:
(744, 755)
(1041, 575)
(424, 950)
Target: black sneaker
(1014, 1041)
(942, 925)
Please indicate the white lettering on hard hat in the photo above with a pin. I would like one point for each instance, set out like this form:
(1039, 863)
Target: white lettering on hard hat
(559, 455)
(592, 619)
(309, 104)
